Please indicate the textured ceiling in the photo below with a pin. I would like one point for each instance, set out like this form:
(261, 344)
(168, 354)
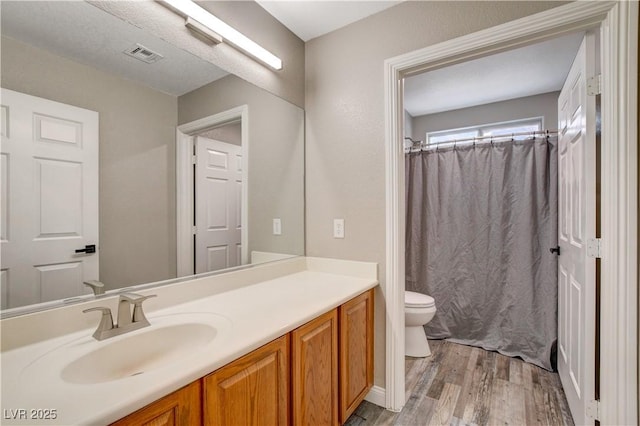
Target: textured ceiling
(81, 32)
(531, 70)
(311, 18)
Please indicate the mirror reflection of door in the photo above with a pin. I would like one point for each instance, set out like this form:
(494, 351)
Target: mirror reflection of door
(218, 200)
(49, 199)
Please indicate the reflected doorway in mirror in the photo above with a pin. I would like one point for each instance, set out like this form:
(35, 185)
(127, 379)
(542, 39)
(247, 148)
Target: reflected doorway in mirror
(197, 249)
(218, 204)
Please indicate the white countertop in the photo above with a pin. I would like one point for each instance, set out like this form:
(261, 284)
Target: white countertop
(257, 314)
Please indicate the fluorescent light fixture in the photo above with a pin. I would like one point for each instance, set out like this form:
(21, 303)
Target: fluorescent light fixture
(228, 33)
(206, 32)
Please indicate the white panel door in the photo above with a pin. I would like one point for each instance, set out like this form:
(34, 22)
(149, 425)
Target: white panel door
(576, 214)
(217, 204)
(49, 173)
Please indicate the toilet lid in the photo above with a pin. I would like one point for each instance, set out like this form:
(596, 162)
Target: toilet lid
(413, 299)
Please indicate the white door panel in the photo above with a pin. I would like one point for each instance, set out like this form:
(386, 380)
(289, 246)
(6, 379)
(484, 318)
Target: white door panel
(49, 199)
(4, 196)
(238, 199)
(4, 289)
(59, 202)
(4, 120)
(217, 204)
(59, 281)
(217, 257)
(215, 197)
(576, 213)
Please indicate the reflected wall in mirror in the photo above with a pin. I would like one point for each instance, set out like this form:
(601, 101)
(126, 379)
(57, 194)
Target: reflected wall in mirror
(68, 86)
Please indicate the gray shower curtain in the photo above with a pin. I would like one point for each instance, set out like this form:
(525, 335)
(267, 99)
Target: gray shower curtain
(480, 221)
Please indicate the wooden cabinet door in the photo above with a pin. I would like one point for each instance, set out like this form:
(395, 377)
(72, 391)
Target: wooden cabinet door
(180, 408)
(314, 358)
(356, 352)
(251, 391)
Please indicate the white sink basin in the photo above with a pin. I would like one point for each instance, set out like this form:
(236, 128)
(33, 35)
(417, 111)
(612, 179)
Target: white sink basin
(137, 353)
(169, 339)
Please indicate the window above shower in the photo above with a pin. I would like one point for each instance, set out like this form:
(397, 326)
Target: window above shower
(514, 127)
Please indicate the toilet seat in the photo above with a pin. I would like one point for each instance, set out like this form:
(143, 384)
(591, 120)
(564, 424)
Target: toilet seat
(418, 300)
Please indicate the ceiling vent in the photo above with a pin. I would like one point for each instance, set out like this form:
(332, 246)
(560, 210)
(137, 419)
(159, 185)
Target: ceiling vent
(140, 52)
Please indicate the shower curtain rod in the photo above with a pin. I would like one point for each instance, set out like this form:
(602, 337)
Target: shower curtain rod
(501, 136)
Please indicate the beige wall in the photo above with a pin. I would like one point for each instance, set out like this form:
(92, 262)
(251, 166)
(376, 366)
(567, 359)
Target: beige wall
(408, 125)
(544, 105)
(229, 133)
(245, 16)
(276, 158)
(345, 122)
(137, 160)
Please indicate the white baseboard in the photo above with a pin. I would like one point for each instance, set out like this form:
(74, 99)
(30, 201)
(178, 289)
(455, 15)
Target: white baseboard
(377, 395)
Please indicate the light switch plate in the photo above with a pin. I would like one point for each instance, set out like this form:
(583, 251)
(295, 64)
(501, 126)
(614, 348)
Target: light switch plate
(277, 226)
(338, 228)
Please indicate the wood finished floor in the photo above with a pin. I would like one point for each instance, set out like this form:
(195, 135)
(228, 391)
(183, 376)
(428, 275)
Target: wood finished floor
(463, 385)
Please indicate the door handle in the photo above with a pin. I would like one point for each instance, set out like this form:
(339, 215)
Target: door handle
(555, 250)
(88, 249)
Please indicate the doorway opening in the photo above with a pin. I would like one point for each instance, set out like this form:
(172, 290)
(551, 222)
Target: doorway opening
(618, 28)
(488, 142)
(212, 154)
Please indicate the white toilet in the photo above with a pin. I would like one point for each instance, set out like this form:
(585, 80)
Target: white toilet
(419, 309)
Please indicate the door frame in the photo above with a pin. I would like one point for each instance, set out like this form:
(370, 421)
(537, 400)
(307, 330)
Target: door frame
(619, 274)
(184, 184)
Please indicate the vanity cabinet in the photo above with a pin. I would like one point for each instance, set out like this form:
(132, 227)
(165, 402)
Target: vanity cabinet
(316, 375)
(356, 352)
(181, 407)
(314, 360)
(253, 390)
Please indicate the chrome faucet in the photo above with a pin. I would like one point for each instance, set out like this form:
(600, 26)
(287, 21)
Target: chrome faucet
(127, 321)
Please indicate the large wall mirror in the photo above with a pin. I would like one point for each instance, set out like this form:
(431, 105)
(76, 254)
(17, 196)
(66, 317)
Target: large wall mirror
(126, 160)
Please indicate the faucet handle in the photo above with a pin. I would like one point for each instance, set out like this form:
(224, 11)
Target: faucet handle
(138, 313)
(106, 321)
(96, 286)
(135, 298)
